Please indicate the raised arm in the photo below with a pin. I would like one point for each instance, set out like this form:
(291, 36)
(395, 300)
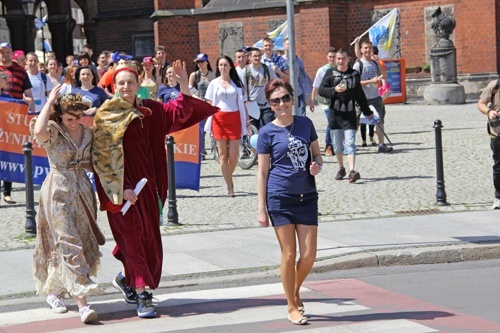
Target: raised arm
(41, 131)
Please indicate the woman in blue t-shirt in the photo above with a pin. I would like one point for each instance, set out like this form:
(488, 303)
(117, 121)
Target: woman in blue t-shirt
(289, 158)
(86, 86)
(170, 89)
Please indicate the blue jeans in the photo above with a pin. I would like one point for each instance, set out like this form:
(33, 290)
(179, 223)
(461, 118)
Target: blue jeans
(302, 105)
(344, 141)
(328, 136)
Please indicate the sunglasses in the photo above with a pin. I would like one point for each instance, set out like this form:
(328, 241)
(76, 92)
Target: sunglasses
(3, 76)
(200, 61)
(285, 99)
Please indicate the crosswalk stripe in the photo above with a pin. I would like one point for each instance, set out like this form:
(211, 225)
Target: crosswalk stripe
(382, 326)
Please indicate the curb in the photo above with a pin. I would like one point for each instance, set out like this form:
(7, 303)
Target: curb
(437, 254)
(410, 256)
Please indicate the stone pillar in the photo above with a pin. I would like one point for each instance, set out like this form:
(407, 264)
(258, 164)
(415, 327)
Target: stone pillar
(16, 21)
(62, 31)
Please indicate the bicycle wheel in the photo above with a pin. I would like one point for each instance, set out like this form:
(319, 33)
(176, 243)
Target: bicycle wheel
(248, 154)
(215, 151)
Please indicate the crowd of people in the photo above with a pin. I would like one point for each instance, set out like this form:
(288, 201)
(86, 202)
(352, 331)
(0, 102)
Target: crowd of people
(135, 104)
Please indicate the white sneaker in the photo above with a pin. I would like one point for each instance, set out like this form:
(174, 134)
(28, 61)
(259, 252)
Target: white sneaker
(496, 204)
(56, 304)
(87, 314)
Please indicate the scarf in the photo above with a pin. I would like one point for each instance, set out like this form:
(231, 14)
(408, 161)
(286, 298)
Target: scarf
(110, 123)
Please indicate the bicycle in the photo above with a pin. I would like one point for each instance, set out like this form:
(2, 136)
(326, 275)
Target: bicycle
(247, 154)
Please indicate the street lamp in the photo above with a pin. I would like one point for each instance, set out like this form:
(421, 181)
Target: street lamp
(29, 12)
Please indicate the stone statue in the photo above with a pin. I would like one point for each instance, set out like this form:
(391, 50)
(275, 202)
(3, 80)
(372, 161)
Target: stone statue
(444, 88)
(443, 54)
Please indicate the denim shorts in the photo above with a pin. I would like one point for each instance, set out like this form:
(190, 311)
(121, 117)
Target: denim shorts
(286, 208)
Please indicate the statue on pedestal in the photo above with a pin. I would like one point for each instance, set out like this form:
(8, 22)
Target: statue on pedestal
(444, 88)
(443, 54)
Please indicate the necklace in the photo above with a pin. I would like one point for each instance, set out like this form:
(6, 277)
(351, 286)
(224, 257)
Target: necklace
(288, 132)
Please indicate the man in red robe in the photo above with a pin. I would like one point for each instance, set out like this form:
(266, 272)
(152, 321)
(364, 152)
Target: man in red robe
(129, 144)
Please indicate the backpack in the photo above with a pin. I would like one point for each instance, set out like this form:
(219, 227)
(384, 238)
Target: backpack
(497, 85)
(361, 66)
(267, 74)
(44, 79)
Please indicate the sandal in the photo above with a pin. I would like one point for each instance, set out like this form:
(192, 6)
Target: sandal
(373, 142)
(8, 199)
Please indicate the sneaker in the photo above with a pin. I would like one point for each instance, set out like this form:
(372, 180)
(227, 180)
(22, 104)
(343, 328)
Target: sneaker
(353, 176)
(87, 314)
(496, 204)
(383, 148)
(329, 150)
(145, 308)
(364, 144)
(56, 304)
(129, 294)
(340, 174)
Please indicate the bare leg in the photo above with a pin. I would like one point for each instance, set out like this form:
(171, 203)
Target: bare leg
(352, 161)
(308, 244)
(226, 162)
(286, 239)
(340, 159)
(81, 302)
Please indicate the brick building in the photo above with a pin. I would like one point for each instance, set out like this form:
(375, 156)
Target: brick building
(187, 27)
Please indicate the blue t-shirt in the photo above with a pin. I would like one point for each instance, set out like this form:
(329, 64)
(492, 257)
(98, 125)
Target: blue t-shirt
(167, 93)
(97, 96)
(290, 156)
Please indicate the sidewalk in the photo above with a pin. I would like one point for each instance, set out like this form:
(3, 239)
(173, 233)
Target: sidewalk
(249, 253)
(391, 208)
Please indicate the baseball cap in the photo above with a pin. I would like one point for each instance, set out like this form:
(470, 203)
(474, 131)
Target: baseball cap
(5, 44)
(147, 60)
(117, 56)
(201, 57)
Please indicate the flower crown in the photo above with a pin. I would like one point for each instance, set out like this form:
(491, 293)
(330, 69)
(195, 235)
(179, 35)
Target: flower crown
(73, 100)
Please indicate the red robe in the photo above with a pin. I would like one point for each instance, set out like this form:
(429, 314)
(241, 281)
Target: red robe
(137, 233)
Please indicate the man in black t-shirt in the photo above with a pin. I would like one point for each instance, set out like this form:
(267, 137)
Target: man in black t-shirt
(342, 85)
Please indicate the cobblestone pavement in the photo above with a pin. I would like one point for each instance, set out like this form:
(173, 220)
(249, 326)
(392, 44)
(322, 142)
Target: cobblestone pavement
(400, 183)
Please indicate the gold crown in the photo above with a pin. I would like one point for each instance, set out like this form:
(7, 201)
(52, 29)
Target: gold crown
(71, 100)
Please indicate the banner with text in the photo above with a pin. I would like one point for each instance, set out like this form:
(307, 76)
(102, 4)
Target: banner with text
(188, 158)
(14, 132)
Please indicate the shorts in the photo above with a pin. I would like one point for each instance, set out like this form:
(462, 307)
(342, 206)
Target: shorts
(378, 104)
(286, 208)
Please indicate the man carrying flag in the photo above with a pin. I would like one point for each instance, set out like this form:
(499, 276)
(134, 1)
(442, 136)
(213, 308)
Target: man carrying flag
(381, 33)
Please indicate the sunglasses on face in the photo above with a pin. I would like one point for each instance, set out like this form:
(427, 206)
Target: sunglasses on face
(285, 99)
(200, 61)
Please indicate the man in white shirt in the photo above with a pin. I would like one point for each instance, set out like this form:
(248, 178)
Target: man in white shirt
(41, 84)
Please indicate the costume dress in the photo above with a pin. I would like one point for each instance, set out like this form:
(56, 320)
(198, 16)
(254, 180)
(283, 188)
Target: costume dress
(66, 250)
(129, 144)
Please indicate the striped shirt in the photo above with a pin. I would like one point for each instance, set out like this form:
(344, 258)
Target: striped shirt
(18, 80)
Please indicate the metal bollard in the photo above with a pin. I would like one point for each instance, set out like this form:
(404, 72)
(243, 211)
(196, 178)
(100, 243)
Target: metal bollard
(172, 215)
(30, 225)
(441, 193)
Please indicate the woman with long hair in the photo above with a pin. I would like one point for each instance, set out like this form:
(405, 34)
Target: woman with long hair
(54, 75)
(67, 245)
(70, 80)
(289, 158)
(147, 77)
(229, 125)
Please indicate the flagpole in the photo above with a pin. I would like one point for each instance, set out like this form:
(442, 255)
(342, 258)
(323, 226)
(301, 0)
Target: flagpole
(364, 33)
(292, 58)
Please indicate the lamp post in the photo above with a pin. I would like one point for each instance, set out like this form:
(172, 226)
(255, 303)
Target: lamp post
(29, 12)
